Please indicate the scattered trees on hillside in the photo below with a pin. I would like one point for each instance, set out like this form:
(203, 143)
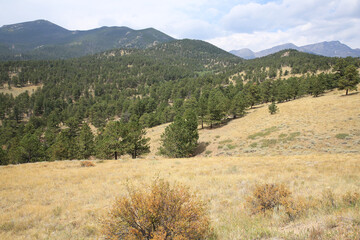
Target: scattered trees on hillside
(157, 87)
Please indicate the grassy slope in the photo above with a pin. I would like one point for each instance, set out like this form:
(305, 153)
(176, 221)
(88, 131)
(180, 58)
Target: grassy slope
(305, 126)
(61, 200)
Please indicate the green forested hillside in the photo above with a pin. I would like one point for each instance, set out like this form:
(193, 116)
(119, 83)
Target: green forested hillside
(149, 86)
(44, 40)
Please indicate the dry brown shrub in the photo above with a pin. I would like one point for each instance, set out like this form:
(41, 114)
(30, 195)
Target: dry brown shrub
(87, 164)
(267, 197)
(160, 212)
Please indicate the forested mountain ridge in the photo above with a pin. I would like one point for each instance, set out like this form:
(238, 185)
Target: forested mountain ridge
(148, 86)
(42, 39)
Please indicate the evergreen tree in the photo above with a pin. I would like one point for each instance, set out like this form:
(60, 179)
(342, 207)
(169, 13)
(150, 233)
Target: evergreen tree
(203, 109)
(86, 142)
(180, 138)
(31, 149)
(253, 94)
(4, 160)
(133, 139)
(216, 107)
(317, 85)
(65, 147)
(110, 141)
(238, 105)
(273, 108)
(349, 80)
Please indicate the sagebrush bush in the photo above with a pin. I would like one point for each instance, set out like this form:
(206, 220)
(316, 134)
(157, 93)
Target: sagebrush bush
(161, 212)
(87, 164)
(267, 197)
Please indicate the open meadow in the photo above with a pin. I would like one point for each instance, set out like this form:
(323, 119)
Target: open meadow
(312, 146)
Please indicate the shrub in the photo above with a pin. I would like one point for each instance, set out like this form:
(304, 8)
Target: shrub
(161, 212)
(87, 164)
(341, 135)
(268, 197)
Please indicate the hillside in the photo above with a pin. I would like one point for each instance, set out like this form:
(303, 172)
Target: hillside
(322, 125)
(42, 39)
(60, 199)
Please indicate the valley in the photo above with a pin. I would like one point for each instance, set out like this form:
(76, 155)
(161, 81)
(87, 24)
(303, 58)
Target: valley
(270, 145)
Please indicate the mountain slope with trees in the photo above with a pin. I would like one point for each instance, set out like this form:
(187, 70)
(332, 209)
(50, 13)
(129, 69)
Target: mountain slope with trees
(145, 87)
(42, 39)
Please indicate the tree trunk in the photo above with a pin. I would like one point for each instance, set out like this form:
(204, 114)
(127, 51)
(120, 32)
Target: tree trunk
(347, 90)
(115, 155)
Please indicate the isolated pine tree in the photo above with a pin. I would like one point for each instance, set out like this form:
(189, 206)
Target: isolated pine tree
(180, 138)
(273, 108)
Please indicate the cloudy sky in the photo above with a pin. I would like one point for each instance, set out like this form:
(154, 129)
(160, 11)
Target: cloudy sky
(229, 24)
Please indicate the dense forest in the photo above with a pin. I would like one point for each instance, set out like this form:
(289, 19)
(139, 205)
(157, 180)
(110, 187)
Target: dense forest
(144, 88)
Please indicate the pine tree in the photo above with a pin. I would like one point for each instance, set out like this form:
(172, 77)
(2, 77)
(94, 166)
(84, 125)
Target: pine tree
(86, 142)
(216, 107)
(4, 160)
(180, 138)
(203, 109)
(134, 141)
(349, 80)
(31, 149)
(273, 108)
(109, 143)
(238, 105)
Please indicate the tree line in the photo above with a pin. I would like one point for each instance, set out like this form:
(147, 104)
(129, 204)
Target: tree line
(142, 91)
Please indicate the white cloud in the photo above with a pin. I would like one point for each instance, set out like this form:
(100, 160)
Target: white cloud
(261, 25)
(308, 33)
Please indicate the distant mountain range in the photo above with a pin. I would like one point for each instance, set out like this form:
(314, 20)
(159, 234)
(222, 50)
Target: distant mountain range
(42, 39)
(328, 49)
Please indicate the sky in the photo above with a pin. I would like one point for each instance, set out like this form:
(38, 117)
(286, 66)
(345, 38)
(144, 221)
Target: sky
(228, 24)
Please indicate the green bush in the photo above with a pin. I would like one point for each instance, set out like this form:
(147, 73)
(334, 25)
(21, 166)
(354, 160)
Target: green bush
(341, 135)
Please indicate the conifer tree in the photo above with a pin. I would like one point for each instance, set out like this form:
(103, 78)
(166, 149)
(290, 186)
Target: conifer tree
(273, 108)
(216, 107)
(238, 105)
(133, 139)
(180, 138)
(349, 80)
(86, 142)
(110, 141)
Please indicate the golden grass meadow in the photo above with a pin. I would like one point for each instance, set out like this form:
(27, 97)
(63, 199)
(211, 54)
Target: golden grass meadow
(312, 146)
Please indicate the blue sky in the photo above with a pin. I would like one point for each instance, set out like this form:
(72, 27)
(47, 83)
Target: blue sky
(229, 24)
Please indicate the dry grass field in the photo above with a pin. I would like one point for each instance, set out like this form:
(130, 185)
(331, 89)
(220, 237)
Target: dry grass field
(312, 146)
